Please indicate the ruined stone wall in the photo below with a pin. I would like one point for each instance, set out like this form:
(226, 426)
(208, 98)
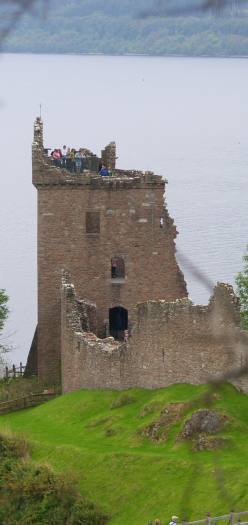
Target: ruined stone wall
(171, 343)
(87, 361)
(182, 343)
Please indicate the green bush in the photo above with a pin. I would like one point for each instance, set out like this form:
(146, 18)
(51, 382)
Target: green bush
(121, 401)
(13, 448)
(242, 284)
(34, 495)
(19, 387)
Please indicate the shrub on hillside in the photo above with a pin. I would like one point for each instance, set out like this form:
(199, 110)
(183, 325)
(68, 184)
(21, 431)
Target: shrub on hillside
(150, 408)
(35, 495)
(242, 284)
(122, 400)
(12, 447)
(19, 387)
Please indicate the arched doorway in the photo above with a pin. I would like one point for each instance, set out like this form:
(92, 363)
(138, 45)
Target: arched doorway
(118, 322)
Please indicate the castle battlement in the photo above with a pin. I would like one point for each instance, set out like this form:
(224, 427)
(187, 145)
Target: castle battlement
(47, 172)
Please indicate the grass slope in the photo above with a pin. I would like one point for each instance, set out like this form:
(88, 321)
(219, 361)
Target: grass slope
(131, 477)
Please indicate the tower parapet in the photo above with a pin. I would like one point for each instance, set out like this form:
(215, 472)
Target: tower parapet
(38, 134)
(109, 156)
(46, 172)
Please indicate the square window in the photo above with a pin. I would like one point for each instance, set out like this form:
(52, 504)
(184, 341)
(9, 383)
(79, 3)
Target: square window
(92, 222)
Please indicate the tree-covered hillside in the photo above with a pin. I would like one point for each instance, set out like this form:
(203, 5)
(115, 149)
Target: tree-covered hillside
(122, 27)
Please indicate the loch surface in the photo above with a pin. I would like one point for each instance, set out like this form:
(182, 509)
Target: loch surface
(184, 118)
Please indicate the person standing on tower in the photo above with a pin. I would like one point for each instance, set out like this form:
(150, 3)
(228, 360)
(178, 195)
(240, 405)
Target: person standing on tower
(104, 171)
(64, 156)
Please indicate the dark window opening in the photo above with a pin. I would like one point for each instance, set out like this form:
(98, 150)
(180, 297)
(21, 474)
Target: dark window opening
(118, 322)
(92, 222)
(117, 268)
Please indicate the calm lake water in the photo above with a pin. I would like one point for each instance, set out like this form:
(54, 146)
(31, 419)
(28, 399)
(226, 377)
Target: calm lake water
(184, 118)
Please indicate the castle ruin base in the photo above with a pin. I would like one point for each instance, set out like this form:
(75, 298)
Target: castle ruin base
(170, 342)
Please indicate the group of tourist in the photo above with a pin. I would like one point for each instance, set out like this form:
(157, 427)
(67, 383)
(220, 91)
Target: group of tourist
(75, 160)
(70, 158)
(173, 521)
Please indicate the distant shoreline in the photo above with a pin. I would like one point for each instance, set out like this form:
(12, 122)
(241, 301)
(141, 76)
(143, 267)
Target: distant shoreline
(146, 55)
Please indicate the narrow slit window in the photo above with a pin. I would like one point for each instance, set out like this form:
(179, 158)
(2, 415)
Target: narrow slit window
(117, 268)
(92, 222)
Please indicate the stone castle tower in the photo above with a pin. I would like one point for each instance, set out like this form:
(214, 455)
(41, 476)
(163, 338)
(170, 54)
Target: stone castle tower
(112, 235)
(113, 310)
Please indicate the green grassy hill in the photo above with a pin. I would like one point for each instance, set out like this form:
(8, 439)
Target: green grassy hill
(102, 436)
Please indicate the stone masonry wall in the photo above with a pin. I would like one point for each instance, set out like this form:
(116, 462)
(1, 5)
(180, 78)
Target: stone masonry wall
(31, 368)
(87, 361)
(175, 342)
